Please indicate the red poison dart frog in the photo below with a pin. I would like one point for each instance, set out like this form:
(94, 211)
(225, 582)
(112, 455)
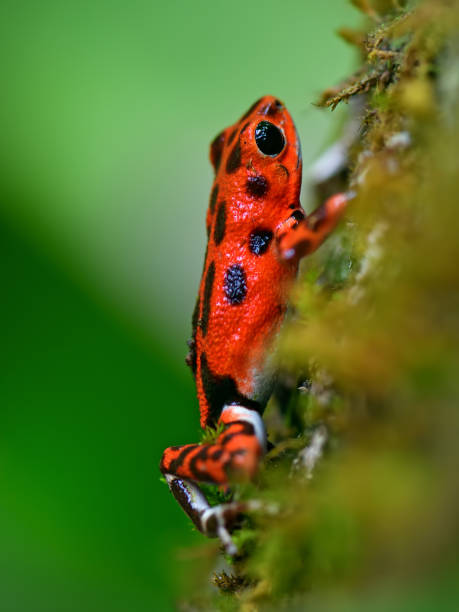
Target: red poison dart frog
(257, 233)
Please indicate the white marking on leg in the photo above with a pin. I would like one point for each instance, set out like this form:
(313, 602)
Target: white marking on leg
(217, 512)
(252, 417)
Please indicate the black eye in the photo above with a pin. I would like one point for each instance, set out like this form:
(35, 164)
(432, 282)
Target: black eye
(269, 138)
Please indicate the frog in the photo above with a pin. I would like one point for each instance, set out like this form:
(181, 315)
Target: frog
(257, 234)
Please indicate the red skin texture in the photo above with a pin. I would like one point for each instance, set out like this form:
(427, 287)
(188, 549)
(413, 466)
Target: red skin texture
(238, 336)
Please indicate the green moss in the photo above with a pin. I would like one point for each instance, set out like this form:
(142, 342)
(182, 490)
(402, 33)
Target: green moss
(210, 434)
(374, 337)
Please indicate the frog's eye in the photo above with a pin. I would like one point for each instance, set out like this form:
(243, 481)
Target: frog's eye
(269, 138)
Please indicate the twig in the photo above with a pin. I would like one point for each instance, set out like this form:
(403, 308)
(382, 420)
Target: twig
(307, 459)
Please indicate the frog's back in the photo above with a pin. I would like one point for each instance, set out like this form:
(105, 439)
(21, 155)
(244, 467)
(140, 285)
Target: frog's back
(244, 286)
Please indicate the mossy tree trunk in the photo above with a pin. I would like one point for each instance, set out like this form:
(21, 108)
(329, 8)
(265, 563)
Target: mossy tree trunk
(375, 339)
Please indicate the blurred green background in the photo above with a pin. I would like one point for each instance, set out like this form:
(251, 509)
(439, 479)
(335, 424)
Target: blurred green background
(107, 111)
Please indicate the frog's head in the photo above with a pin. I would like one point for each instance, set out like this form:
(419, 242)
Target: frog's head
(260, 155)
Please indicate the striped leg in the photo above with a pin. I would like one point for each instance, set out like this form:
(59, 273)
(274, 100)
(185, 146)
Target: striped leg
(296, 238)
(235, 454)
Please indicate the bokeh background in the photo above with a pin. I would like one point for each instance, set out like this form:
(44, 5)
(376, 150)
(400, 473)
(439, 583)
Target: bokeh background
(107, 111)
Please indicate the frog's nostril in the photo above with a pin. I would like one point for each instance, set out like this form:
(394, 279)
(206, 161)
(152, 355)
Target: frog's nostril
(272, 108)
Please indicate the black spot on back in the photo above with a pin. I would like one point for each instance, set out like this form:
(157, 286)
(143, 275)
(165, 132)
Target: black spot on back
(221, 390)
(216, 150)
(259, 241)
(205, 258)
(213, 198)
(234, 159)
(235, 284)
(257, 186)
(220, 223)
(208, 286)
(195, 317)
(190, 359)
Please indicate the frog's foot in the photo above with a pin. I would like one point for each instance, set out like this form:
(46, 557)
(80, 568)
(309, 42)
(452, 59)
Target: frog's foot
(213, 521)
(300, 236)
(235, 455)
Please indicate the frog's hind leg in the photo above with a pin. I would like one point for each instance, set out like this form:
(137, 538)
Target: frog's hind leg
(235, 454)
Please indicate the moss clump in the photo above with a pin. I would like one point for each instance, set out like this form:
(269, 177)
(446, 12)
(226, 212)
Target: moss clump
(210, 434)
(374, 341)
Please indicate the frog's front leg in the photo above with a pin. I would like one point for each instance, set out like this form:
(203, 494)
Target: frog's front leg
(235, 455)
(299, 236)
